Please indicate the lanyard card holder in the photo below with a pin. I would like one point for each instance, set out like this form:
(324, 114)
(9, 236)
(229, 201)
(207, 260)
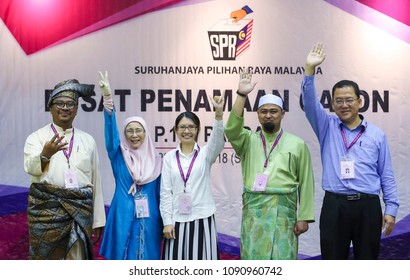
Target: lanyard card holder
(141, 206)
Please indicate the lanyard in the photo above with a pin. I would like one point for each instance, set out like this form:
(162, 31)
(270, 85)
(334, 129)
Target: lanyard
(185, 179)
(70, 148)
(271, 149)
(138, 191)
(354, 140)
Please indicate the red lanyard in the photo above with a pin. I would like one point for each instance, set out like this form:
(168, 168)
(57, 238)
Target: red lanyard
(273, 146)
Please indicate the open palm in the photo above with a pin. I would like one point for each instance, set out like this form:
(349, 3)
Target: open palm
(316, 55)
(245, 83)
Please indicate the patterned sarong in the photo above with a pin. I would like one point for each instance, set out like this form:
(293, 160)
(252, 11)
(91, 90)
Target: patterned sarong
(268, 221)
(57, 219)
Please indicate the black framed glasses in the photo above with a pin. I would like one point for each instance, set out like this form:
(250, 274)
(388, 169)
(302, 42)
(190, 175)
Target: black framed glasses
(61, 104)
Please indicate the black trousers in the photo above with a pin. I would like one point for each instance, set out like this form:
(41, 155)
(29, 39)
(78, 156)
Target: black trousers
(355, 219)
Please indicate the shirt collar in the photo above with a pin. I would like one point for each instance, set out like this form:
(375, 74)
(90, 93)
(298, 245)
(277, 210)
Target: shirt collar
(61, 130)
(269, 136)
(196, 148)
(363, 124)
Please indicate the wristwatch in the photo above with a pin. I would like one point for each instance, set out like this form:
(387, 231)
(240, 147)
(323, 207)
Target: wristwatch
(44, 159)
(240, 94)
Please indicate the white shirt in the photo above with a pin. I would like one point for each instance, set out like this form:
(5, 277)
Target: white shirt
(199, 181)
(83, 160)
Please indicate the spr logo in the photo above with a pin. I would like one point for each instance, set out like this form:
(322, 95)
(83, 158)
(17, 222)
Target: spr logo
(229, 38)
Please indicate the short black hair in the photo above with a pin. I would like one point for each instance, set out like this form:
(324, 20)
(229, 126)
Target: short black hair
(346, 83)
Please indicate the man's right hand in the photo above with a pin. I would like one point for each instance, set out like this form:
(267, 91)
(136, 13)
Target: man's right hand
(53, 146)
(315, 57)
(245, 83)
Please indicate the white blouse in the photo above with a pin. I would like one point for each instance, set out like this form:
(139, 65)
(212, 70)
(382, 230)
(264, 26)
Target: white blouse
(199, 181)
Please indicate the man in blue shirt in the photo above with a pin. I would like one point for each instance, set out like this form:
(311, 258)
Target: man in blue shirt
(356, 167)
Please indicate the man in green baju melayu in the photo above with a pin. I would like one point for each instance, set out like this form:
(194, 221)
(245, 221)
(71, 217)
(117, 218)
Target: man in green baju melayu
(278, 185)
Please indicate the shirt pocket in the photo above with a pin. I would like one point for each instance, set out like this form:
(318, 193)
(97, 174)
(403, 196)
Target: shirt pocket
(82, 162)
(285, 162)
(367, 153)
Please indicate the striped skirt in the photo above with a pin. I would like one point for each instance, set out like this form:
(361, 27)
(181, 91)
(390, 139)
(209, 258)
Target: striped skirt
(195, 240)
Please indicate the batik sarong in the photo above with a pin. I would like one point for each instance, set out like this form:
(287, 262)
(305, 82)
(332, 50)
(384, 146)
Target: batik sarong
(268, 221)
(58, 218)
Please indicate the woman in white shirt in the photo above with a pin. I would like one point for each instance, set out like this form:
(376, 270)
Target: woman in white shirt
(186, 203)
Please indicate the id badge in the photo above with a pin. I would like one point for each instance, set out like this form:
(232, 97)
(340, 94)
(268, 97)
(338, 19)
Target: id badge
(141, 207)
(70, 179)
(260, 182)
(347, 168)
(185, 204)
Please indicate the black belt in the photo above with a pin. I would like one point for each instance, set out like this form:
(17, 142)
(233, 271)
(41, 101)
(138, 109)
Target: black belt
(356, 196)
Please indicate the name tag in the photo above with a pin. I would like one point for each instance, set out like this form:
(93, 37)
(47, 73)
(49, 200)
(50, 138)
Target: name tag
(70, 179)
(185, 204)
(141, 207)
(260, 183)
(347, 169)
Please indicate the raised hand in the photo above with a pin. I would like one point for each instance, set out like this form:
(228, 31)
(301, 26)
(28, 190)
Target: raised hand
(245, 83)
(218, 102)
(104, 84)
(316, 56)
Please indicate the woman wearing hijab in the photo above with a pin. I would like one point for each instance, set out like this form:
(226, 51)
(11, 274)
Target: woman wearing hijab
(133, 229)
(187, 206)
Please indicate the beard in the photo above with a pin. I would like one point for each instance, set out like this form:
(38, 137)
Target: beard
(269, 127)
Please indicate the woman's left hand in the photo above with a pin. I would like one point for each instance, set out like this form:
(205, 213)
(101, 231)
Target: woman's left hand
(218, 102)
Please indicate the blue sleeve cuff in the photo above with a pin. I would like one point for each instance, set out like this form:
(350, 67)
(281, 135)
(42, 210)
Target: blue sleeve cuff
(247, 9)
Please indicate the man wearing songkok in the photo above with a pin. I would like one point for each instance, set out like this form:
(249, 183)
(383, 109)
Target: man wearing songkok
(65, 204)
(278, 186)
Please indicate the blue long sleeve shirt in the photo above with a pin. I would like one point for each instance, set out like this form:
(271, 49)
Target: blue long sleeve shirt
(371, 154)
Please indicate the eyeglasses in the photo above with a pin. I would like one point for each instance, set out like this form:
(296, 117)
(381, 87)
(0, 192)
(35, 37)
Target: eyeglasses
(130, 132)
(348, 101)
(183, 127)
(61, 104)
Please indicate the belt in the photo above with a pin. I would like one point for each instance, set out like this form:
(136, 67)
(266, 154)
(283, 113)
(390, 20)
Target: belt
(350, 197)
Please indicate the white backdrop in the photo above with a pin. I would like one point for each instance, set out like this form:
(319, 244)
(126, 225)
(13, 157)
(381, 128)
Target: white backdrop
(283, 33)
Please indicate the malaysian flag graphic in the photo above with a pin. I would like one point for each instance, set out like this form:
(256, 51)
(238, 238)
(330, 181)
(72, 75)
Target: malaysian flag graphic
(243, 45)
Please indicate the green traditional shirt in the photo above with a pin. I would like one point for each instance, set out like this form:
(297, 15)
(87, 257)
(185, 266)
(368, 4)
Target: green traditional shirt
(290, 182)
